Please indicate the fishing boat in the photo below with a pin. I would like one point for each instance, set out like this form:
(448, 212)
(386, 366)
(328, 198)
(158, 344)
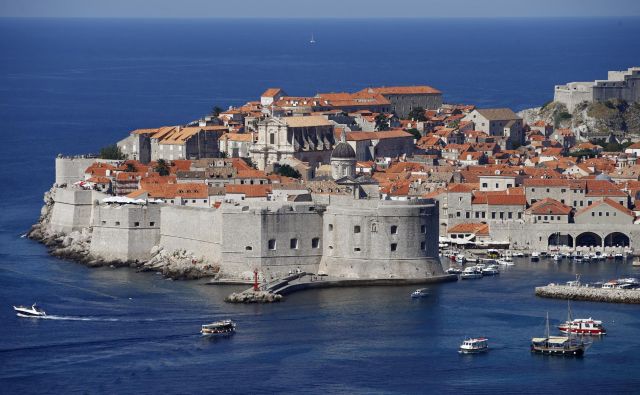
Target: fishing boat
(420, 293)
(535, 256)
(219, 328)
(559, 345)
(583, 326)
(29, 312)
(474, 346)
(470, 273)
(313, 40)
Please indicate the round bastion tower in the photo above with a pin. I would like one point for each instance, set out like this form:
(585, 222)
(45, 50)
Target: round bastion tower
(343, 159)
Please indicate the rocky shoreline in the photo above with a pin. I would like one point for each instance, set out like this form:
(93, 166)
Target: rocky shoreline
(75, 246)
(630, 296)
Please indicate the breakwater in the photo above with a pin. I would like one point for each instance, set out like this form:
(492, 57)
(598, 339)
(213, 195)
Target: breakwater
(588, 293)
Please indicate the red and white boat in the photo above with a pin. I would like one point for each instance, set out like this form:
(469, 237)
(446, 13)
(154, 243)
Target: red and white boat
(583, 326)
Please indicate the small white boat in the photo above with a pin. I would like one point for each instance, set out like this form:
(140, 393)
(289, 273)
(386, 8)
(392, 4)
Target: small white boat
(474, 346)
(460, 258)
(480, 266)
(505, 263)
(224, 327)
(29, 312)
(518, 254)
(490, 271)
(420, 293)
(535, 256)
(454, 270)
(470, 273)
(557, 257)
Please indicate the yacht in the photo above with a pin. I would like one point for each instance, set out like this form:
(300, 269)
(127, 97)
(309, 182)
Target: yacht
(583, 326)
(29, 312)
(224, 327)
(535, 256)
(474, 346)
(505, 263)
(490, 270)
(470, 273)
(420, 293)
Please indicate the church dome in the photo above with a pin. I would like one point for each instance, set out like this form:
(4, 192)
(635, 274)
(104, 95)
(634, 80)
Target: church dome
(343, 151)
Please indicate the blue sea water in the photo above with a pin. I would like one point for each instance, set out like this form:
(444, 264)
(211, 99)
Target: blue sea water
(72, 86)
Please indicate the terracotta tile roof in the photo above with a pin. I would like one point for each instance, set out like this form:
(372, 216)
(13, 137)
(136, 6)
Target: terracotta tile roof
(506, 200)
(610, 203)
(462, 188)
(306, 121)
(248, 190)
(498, 114)
(549, 206)
(404, 90)
(100, 180)
(470, 227)
(388, 134)
(271, 92)
(241, 137)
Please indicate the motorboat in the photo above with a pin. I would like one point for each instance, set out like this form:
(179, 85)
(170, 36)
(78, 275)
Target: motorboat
(470, 273)
(557, 257)
(577, 258)
(518, 254)
(420, 293)
(474, 345)
(583, 326)
(535, 256)
(454, 270)
(504, 262)
(613, 284)
(480, 266)
(29, 312)
(490, 271)
(219, 328)
(493, 253)
(460, 258)
(618, 255)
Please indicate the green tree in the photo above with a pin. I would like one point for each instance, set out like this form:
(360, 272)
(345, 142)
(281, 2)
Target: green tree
(112, 152)
(162, 167)
(415, 132)
(417, 113)
(216, 111)
(382, 123)
(287, 171)
(249, 162)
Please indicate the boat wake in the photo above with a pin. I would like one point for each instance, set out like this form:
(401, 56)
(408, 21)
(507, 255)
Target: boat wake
(75, 318)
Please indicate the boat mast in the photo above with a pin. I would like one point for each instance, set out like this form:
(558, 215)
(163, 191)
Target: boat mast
(548, 331)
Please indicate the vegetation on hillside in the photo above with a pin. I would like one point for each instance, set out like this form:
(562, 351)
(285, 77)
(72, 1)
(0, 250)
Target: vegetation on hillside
(287, 171)
(111, 152)
(162, 167)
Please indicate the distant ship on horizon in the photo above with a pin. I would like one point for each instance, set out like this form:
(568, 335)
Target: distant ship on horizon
(312, 41)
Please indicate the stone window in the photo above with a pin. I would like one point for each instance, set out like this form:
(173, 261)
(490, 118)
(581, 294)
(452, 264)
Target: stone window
(394, 230)
(374, 227)
(152, 223)
(423, 245)
(493, 215)
(248, 248)
(467, 215)
(485, 185)
(315, 242)
(136, 224)
(117, 223)
(104, 222)
(272, 138)
(272, 244)
(356, 249)
(607, 213)
(330, 227)
(520, 215)
(423, 229)
(593, 214)
(356, 229)
(394, 246)
(293, 243)
(458, 214)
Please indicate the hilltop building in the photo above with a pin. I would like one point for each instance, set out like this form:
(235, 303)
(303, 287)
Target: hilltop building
(623, 85)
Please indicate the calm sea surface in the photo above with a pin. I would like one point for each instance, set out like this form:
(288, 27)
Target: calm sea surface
(72, 86)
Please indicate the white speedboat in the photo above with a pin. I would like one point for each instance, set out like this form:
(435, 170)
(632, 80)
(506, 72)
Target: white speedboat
(224, 327)
(420, 293)
(505, 263)
(470, 273)
(518, 254)
(557, 257)
(454, 270)
(29, 312)
(474, 346)
(490, 271)
(535, 256)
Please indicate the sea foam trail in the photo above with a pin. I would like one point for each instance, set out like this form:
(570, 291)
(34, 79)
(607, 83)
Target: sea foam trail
(74, 318)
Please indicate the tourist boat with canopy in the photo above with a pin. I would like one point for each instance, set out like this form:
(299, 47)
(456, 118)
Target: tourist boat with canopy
(29, 312)
(559, 345)
(474, 345)
(219, 328)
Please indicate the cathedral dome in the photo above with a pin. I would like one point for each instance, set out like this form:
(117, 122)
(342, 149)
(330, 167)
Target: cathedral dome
(343, 151)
